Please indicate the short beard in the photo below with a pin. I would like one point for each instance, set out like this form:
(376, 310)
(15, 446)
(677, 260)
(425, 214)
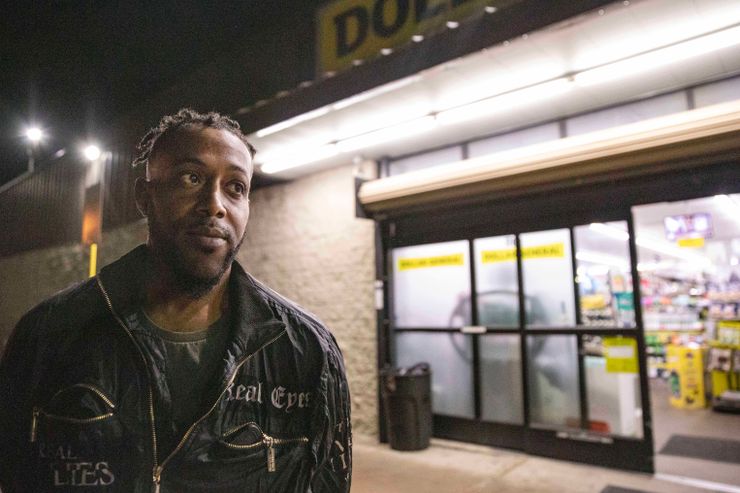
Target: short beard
(186, 282)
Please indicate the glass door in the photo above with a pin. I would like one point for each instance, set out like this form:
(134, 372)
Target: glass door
(533, 339)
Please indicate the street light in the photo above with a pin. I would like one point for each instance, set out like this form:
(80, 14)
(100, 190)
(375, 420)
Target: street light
(34, 134)
(92, 152)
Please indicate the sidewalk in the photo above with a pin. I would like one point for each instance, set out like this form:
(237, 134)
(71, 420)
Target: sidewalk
(454, 467)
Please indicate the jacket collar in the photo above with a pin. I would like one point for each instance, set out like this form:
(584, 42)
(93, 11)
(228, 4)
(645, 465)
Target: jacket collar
(253, 320)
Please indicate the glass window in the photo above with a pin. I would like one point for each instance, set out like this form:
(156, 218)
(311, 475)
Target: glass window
(604, 275)
(553, 381)
(496, 281)
(450, 357)
(513, 140)
(627, 113)
(426, 160)
(547, 276)
(501, 378)
(613, 385)
(431, 285)
(717, 92)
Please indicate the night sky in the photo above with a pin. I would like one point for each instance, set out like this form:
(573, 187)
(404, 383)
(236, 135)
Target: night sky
(76, 67)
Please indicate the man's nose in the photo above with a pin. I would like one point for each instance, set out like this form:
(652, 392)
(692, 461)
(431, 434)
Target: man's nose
(212, 201)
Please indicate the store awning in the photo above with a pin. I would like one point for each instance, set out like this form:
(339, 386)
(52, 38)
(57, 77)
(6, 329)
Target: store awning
(698, 136)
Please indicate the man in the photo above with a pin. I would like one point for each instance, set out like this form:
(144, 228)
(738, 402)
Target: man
(173, 369)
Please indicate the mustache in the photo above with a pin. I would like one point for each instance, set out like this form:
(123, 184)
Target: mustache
(210, 228)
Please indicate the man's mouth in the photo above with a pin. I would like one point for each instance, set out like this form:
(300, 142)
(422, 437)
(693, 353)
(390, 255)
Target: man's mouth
(208, 237)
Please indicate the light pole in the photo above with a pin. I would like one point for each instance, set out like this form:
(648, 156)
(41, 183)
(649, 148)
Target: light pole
(34, 136)
(92, 215)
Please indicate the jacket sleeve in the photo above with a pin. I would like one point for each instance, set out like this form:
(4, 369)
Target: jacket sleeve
(332, 472)
(17, 369)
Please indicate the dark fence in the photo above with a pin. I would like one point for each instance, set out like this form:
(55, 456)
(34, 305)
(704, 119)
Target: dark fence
(45, 208)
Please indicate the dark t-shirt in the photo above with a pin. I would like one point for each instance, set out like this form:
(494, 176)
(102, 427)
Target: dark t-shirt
(192, 359)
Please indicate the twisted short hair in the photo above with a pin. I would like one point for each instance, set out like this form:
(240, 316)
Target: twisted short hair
(185, 118)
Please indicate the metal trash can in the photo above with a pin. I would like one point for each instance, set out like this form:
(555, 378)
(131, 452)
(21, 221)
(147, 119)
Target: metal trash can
(407, 401)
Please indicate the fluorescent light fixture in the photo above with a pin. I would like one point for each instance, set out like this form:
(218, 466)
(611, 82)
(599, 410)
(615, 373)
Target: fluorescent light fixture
(503, 102)
(364, 96)
(668, 249)
(294, 160)
(659, 57)
(292, 121)
(393, 132)
(602, 259)
(609, 231)
(728, 203)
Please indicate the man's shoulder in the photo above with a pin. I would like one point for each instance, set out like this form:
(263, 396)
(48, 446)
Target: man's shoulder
(72, 302)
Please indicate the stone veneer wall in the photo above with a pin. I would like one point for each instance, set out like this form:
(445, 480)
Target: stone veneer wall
(303, 240)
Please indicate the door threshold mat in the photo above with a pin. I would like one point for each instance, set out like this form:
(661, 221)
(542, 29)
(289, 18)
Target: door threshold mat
(619, 489)
(714, 449)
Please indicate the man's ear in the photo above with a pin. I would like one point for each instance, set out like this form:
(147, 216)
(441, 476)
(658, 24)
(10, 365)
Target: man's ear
(141, 194)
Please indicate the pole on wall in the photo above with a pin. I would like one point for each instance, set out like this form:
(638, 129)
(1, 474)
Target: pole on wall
(93, 259)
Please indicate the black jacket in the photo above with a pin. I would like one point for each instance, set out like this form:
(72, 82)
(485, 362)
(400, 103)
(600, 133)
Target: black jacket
(83, 395)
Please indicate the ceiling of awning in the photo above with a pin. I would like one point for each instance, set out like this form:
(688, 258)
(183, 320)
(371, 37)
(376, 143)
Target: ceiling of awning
(617, 31)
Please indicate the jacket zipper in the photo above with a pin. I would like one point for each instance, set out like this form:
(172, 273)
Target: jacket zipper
(269, 442)
(79, 421)
(158, 469)
(148, 377)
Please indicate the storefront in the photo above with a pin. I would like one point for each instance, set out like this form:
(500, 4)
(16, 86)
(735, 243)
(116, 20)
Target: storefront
(526, 211)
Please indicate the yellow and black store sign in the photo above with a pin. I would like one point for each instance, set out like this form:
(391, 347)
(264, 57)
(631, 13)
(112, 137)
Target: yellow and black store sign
(357, 29)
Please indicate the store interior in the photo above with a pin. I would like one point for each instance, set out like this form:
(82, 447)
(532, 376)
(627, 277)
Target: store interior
(689, 264)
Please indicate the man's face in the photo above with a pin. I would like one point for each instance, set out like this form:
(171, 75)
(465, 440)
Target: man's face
(197, 205)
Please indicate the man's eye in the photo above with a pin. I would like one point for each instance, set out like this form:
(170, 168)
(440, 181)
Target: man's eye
(190, 179)
(238, 188)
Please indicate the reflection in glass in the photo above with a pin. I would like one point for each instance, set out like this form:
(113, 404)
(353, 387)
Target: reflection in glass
(501, 378)
(604, 275)
(547, 273)
(431, 285)
(553, 381)
(450, 357)
(496, 281)
(613, 385)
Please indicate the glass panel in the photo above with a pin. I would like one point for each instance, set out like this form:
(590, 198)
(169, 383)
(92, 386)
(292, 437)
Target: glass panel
(613, 385)
(512, 140)
(501, 378)
(426, 160)
(553, 381)
(547, 272)
(627, 113)
(450, 357)
(717, 92)
(496, 281)
(604, 275)
(431, 285)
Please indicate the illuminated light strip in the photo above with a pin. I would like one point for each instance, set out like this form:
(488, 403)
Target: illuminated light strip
(602, 259)
(660, 247)
(503, 102)
(290, 122)
(660, 57)
(394, 132)
(299, 159)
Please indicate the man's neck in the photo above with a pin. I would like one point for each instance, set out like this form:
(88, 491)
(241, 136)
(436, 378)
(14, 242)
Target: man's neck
(177, 311)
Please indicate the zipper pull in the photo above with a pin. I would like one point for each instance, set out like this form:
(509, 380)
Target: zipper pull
(34, 423)
(269, 441)
(156, 477)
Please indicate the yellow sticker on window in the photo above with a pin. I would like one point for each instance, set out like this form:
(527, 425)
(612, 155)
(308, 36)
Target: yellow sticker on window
(620, 354)
(551, 250)
(503, 255)
(691, 242)
(426, 262)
